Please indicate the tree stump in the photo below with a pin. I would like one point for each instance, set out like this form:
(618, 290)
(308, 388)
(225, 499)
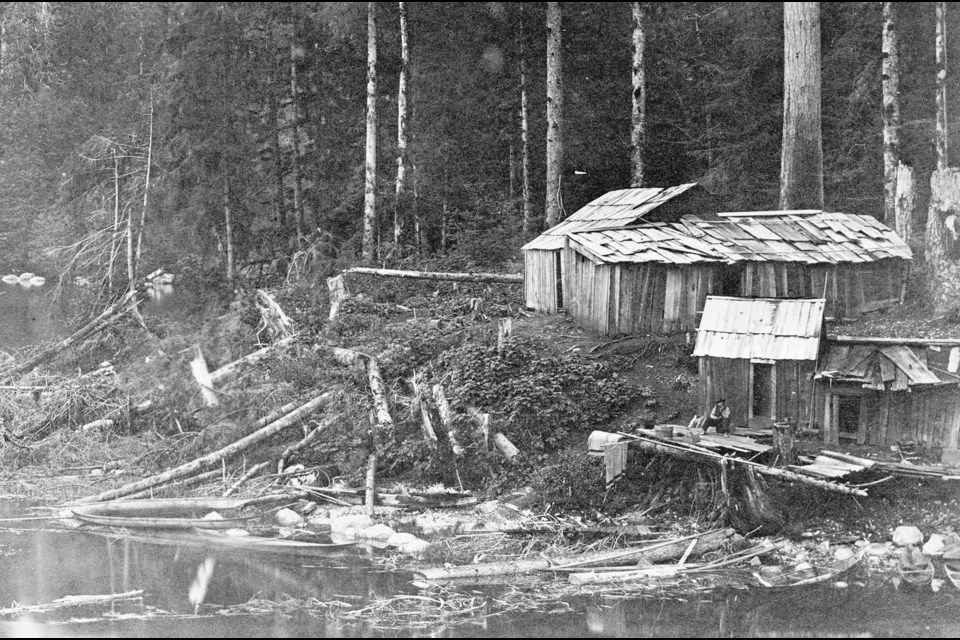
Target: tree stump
(784, 443)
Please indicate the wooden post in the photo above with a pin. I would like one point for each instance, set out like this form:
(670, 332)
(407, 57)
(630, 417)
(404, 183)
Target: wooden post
(504, 332)
(784, 443)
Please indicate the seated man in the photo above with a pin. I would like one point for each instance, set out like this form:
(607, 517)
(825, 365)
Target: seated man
(719, 417)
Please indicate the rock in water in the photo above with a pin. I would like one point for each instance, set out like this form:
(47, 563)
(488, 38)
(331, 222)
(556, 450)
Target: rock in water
(903, 536)
(288, 518)
(934, 546)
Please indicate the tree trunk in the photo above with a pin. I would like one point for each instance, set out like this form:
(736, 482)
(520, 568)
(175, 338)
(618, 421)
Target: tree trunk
(942, 239)
(891, 113)
(278, 196)
(904, 202)
(114, 249)
(554, 113)
(942, 133)
(228, 227)
(801, 166)
(295, 54)
(370, 184)
(638, 128)
(528, 222)
(401, 127)
(439, 275)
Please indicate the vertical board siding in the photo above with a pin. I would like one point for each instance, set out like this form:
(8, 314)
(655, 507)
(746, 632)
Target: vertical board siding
(728, 379)
(540, 280)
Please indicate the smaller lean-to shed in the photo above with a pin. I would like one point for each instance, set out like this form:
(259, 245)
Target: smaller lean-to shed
(654, 278)
(879, 394)
(542, 265)
(759, 354)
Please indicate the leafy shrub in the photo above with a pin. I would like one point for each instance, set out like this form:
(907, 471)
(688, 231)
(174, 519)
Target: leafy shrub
(540, 401)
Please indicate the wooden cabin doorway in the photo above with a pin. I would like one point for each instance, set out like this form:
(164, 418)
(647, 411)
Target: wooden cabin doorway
(848, 417)
(762, 390)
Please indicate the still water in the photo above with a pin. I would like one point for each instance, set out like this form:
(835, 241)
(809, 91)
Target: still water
(41, 565)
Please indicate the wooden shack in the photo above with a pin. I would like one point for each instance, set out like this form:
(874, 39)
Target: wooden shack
(654, 278)
(883, 391)
(759, 354)
(542, 264)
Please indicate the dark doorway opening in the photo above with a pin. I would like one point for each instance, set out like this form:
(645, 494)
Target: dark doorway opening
(848, 416)
(763, 390)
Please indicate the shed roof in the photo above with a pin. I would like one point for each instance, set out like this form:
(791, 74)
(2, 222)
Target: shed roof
(760, 328)
(887, 367)
(618, 208)
(819, 238)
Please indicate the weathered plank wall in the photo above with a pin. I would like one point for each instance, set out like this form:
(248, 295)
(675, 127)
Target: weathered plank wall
(540, 280)
(587, 290)
(728, 379)
(850, 289)
(930, 417)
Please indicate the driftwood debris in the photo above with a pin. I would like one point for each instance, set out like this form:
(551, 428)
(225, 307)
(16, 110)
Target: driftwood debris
(378, 390)
(304, 442)
(662, 552)
(250, 473)
(199, 465)
(119, 308)
(71, 601)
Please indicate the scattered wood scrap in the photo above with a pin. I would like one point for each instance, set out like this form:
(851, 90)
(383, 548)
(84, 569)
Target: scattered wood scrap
(71, 601)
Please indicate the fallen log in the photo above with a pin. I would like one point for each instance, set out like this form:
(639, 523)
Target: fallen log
(251, 472)
(198, 366)
(507, 278)
(504, 446)
(663, 552)
(306, 441)
(699, 454)
(420, 405)
(231, 370)
(126, 304)
(200, 464)
(378, 389)
(446, 417)
(71, 601)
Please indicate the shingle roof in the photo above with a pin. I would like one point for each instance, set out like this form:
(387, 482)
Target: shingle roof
(890, 367)
(821, 238)
(619, 208)
(760, 328)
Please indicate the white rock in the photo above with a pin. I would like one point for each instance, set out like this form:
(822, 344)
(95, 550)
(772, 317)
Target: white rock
(213, 515)
(400, 539)
(350, 524)
(237, 533)
(902, 536)
(877, 549)
(377, 533)
(288, 518)
(934, 546)
(842, 553)
(415, 547)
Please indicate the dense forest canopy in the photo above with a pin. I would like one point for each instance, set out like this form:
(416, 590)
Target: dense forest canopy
(204, 128)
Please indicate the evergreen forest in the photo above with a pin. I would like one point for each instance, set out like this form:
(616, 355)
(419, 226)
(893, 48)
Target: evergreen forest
(230, 137)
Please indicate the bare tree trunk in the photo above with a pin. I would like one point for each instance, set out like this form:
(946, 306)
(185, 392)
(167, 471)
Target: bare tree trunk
(401, 126)
(942, 133)
(942, 242)
(114, 249)
(638, 130)
(904, 202)
(296, 52)
(279, 200)
(370, 186)
(228, 227)
(891, 113)
(417, 223)
(801, 167)
(528, 221)
(554, 113)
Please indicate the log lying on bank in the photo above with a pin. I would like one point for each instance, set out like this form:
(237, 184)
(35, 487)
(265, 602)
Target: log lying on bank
(264, 432)
(661, 552)
(229, 371)
(446, 417)
(378, 390)
(698, 454)
(505, 278)
(272, 318)
(125, 305)
(198, 366)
